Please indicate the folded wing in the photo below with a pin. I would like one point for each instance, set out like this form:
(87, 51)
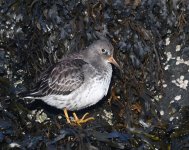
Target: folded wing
(62, 79)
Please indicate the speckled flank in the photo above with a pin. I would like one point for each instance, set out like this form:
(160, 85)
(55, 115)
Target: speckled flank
(92, 92)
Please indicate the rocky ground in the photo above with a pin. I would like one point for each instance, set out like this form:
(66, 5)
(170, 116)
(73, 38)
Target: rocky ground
(147, 106)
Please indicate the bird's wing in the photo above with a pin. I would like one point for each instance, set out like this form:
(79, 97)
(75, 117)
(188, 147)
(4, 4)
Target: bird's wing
(62, 79)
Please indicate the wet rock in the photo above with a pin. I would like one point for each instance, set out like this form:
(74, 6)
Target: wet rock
(185, 53)
(2, 62)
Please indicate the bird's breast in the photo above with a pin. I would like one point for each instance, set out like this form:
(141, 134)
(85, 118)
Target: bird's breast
(94, 90)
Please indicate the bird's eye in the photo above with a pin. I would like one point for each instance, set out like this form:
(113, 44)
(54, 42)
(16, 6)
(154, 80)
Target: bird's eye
(103, 50)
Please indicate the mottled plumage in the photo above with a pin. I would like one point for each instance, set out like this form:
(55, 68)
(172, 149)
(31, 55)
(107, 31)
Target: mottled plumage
(79, 80)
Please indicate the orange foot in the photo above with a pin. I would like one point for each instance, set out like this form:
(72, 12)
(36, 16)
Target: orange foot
(76, 120)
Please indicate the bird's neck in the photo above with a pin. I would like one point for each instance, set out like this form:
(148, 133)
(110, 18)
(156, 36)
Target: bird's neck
(101, 66)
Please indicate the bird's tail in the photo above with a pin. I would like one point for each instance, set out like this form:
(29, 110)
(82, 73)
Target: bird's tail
(26, 95)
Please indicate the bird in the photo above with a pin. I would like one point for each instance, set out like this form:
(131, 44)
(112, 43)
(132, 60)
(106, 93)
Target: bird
(79, 80)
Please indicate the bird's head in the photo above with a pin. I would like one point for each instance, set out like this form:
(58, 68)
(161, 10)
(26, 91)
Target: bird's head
(104, 50)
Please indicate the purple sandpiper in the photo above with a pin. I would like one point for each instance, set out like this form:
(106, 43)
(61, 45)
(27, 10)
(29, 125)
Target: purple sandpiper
(78, 80)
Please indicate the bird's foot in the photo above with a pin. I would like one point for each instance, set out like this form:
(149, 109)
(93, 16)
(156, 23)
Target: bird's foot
(76, 120)
(82, 120)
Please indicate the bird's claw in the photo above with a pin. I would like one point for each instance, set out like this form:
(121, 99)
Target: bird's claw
(76, 120)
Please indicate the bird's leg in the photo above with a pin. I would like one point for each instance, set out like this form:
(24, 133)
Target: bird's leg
(66, 115)
(82, 120)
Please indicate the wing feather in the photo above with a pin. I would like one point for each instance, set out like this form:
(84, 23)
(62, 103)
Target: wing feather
(63, 78)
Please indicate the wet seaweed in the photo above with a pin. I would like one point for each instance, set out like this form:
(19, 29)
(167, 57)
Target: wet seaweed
(138, 113)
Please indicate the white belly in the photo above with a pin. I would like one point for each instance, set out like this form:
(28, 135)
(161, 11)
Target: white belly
(87, 95)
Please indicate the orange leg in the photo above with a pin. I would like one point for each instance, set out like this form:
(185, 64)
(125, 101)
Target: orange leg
(67, 116)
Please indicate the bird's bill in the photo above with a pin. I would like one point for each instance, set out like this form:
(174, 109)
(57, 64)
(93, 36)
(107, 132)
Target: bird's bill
(112, 60)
